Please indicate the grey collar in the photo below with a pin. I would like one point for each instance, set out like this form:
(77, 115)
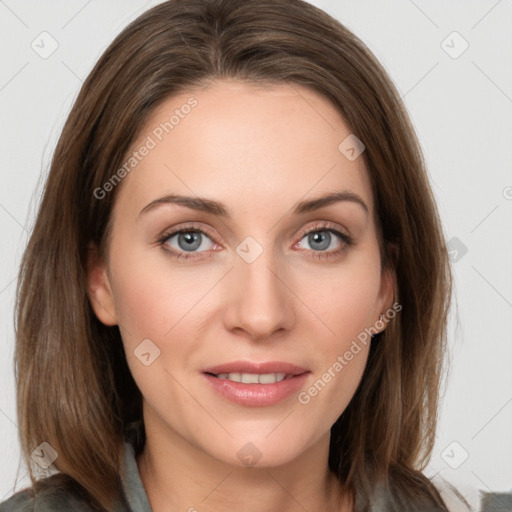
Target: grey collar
(132, 484)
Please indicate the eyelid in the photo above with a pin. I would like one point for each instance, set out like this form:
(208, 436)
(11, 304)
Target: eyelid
(168, 233)
(324, 225)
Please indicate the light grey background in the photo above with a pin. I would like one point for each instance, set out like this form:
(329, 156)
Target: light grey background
(461, 106)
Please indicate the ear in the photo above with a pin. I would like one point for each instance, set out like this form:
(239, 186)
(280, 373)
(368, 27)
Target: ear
(387, 290)
(98, 288)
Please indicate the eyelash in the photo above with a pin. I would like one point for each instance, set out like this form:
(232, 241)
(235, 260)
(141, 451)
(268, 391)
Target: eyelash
(344, 238)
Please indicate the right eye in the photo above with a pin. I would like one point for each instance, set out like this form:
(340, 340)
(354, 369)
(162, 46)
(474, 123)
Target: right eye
(186, 242)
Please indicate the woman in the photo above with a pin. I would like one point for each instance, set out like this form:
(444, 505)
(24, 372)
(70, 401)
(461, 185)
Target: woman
(236, 290)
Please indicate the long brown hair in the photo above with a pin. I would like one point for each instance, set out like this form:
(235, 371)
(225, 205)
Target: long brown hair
(74, 388)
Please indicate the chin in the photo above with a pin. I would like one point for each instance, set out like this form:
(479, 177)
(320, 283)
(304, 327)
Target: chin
(262, 450)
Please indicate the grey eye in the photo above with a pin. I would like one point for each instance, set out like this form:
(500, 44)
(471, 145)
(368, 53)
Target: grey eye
(319, 240)
(189, 241)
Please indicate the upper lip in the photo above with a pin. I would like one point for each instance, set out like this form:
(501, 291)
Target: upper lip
(259, 368)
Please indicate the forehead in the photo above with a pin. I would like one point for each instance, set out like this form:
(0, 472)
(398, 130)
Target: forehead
(244, 144)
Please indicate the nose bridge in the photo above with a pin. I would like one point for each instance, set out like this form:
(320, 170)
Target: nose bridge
(260, 303)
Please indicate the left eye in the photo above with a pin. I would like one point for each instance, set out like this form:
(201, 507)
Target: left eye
(321, 240)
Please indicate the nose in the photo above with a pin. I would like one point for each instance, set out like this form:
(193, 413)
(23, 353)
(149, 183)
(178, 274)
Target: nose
(260, 302)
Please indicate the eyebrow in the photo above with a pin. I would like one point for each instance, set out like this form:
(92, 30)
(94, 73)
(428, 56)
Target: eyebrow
(218, 209)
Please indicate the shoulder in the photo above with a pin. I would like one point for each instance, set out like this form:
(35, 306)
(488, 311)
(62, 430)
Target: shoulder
(457, 499)
(19, 502)
(414, 491)
(57, 493)
(496, 501)
(466, 498)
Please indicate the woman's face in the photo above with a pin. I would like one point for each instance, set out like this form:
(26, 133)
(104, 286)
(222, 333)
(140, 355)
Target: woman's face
(265, 271)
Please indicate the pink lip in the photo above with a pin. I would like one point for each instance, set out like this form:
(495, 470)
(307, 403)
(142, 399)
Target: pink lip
(256, 395)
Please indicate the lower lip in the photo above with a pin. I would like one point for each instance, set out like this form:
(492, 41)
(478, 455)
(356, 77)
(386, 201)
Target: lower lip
(257, 395)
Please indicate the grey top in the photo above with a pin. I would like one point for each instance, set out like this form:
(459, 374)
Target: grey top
(134, 491)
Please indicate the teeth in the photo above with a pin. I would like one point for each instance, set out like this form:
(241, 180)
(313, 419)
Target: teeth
(270, 378)
(246, 378)
(253, 378)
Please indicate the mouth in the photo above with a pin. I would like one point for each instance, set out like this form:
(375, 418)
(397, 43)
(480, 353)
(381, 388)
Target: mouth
(256, 384)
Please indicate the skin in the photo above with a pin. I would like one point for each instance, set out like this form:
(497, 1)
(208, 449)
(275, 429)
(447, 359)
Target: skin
(259, 151)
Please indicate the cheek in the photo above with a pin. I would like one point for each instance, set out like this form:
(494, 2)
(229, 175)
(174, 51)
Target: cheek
(161, 303)
(152, 295)
(142, 304)
(334, 384)
(155, 310)
(342, 301)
